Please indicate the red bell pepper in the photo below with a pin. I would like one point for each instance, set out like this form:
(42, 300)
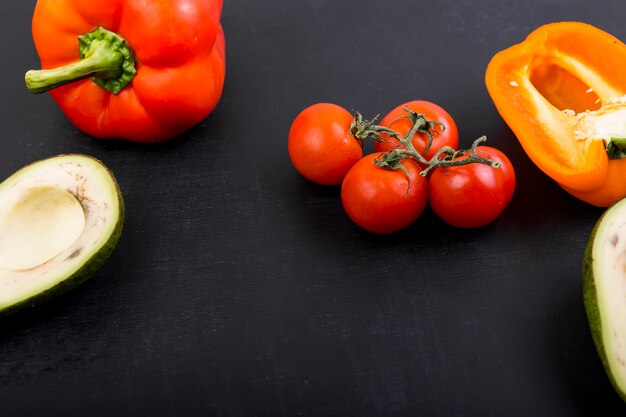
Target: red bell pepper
(141, 70)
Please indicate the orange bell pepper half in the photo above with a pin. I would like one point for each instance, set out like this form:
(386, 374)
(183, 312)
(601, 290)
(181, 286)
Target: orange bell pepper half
(562, 91)
(144, 71)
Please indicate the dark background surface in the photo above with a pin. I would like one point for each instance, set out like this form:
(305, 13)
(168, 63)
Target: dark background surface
(240, 289)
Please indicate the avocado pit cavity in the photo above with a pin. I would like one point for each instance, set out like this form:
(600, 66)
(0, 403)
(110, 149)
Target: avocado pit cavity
(40, 225)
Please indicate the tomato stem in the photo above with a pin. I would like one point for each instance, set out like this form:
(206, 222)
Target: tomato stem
(362, 129)
(445, 157)
(421, 125)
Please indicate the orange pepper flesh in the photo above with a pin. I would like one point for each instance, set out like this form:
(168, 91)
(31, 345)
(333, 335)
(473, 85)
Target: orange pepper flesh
(179, 51)
(563, 66)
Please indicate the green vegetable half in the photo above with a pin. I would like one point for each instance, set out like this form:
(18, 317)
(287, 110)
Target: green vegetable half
(60, 219)
(604, 289)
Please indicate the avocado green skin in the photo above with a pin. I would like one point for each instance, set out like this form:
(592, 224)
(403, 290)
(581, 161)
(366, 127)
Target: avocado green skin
(86, 271)
(590, 297)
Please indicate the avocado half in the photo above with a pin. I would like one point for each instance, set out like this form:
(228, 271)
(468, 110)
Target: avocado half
(604, 291)
(60, 219)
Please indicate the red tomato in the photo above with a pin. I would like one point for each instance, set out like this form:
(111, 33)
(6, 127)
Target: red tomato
(505, 166)
(472, 195)
(445, 137)
(321, 146)
(381, 200)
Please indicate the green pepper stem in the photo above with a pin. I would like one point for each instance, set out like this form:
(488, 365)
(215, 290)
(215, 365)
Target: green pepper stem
(100, 62)
(616, 148)
(104, 56)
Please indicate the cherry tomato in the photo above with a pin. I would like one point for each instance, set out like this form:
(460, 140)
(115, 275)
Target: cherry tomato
(505, 166)
(472, 195)
(442, 137)
(321, 147)
(381, 200)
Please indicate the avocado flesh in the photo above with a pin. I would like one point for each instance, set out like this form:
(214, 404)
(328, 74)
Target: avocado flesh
(604, 287)
(60, 218)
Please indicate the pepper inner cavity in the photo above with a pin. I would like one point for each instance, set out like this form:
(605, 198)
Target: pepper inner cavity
(561, 88)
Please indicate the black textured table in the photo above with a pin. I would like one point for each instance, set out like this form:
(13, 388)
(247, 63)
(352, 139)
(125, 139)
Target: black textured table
(240, 289)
